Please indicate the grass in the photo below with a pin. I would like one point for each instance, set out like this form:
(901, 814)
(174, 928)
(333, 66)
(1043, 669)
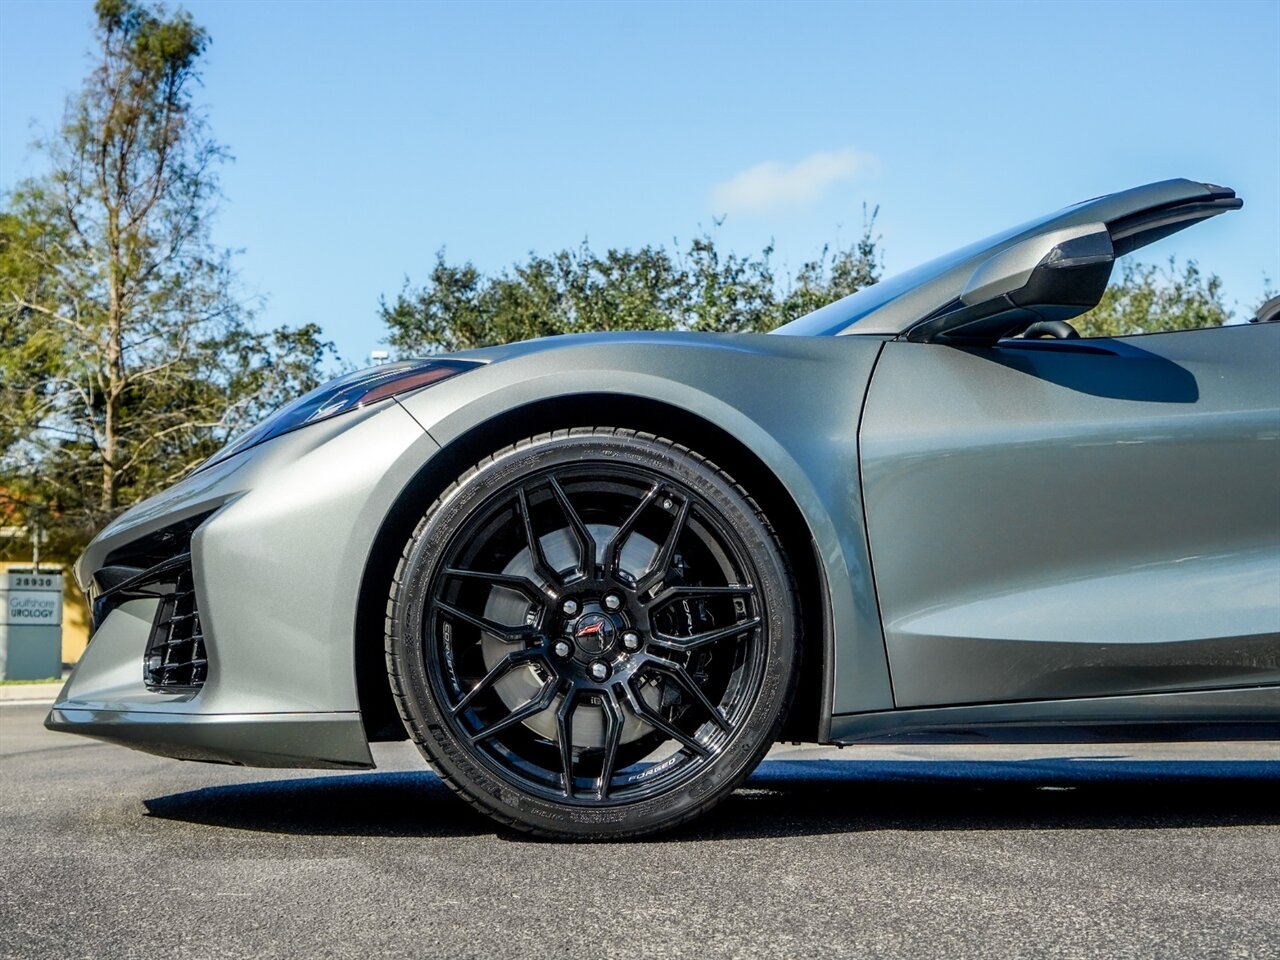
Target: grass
(13, 683)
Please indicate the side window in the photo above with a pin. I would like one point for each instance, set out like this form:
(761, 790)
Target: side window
(1163, 294)
(1145, 297)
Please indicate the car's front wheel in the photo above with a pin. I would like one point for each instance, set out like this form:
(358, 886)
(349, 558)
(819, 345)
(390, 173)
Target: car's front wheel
(592, 633)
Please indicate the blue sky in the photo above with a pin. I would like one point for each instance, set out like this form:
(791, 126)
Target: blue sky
(368, 135)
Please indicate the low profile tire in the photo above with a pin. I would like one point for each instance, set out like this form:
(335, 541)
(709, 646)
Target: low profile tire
(592, 634)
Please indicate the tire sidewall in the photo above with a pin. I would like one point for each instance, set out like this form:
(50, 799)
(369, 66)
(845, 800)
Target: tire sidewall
(434, 733)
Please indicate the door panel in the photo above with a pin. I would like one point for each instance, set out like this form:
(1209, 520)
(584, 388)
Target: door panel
(1058, 519)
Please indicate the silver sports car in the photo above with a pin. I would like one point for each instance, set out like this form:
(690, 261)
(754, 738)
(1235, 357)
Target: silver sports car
(595, 577)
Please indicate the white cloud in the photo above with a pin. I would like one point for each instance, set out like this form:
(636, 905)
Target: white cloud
(774, 185)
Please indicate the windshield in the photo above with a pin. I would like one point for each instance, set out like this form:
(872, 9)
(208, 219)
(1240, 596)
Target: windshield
(835, 317)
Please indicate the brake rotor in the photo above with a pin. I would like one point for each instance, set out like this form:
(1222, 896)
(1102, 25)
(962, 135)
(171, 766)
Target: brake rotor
(512, 608)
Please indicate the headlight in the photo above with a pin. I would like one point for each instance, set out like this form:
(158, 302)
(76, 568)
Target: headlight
(350, 392)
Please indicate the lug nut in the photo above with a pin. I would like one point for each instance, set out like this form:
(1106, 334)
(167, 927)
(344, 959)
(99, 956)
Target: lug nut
(612, 601)
(570, 607)
(600, 670)
(631, 640)
(562, 648)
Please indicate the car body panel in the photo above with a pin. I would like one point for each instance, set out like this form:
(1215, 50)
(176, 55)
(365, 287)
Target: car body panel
(290, 740)
(297, 515)
(274, 566)
(1102, 516)
(1247, 713)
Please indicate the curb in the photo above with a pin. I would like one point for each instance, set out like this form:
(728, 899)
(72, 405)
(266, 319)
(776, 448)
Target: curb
(30, 693)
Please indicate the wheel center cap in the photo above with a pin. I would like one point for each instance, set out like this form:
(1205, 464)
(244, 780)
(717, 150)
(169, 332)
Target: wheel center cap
(594, 633)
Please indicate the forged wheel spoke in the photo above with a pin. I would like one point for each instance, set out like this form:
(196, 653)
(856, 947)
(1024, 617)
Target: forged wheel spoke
(536, 627)
(681, 677)
(692, 592)
(503, 632)
(586, 543)
(540, 702)
(613, 721)
(540, 565)
(650, 716)
(662, 562)
(707, 636)
(500, 669)
(613, 549)
(564, 733)
(514, 581)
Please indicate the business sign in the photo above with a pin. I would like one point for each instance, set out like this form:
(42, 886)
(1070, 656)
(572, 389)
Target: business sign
(39, 609)
(31, 599)
(30, 625)
(26, 580)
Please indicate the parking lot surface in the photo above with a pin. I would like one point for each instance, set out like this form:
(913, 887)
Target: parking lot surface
(867, 852)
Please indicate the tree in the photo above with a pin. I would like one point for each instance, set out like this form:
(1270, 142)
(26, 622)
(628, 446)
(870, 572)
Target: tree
(1149, 299)
(652, 288)
(704, 288)
(126, 354)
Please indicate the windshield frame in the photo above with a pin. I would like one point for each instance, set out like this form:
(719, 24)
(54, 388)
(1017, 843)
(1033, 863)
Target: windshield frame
(893, 306)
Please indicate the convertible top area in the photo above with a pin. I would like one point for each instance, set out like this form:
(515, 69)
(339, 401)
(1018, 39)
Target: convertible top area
(1131, 219)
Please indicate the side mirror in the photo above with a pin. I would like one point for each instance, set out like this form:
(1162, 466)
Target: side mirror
(1053, 276)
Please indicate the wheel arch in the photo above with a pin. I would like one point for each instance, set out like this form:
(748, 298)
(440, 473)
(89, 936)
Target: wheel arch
(809, 722)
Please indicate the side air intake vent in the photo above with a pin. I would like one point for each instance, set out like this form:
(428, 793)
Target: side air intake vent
(176, 658)
(158, 567)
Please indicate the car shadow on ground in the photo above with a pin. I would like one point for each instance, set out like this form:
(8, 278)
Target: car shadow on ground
(795, 798)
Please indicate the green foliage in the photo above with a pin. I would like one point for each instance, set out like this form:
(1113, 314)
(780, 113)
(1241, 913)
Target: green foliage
(126, 354)
(703, 288)
(652, 288)
(1146, 298)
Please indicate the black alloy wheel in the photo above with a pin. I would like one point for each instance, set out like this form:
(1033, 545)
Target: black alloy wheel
(592, 634)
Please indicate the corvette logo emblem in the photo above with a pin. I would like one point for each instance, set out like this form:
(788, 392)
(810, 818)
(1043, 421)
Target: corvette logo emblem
(594, 633)
(593, 628)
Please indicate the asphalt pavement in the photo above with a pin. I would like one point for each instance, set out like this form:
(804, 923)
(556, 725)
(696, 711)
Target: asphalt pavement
(871, 852)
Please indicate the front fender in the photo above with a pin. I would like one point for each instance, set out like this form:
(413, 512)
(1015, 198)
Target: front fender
(795, 402)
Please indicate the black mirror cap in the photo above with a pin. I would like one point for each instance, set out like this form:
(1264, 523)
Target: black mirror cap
(1269, 312)
(1069, 280)
(1073, 274)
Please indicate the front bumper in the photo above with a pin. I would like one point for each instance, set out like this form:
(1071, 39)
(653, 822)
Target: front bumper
(313, 740)
(277, 568)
